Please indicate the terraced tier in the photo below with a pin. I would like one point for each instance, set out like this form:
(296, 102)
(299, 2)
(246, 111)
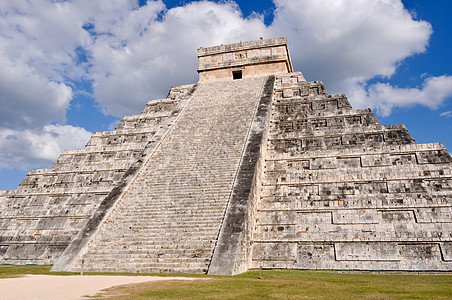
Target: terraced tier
(50, 206)
(340, 191)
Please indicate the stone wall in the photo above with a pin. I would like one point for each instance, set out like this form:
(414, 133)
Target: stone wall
(250, 59)
(341, 191)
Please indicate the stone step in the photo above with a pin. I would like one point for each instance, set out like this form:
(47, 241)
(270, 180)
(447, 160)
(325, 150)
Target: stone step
(375, 134)
(384, 201)
(148, 258)
(96, 189)
(403, 186)
(422, 149)
(159, 223)
(124, 245)
(203, 249)
(163, 106)
(81, 160)
(165, 267)
(431, 175)
(193, 170)
(87, 167)
(90, 186)
(52, 178)
(120, 138)
(163, 218)
(33, 212)
(348, 234)
(316, 130)
(135, 230)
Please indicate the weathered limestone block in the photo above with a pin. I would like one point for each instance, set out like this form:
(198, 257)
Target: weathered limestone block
(366, 252)
(281, 252)
(314, 255)
(446, 251)
(433, 215)
(433, 157)
(288, 93)
(348, 193)
(376, 160)
(364, 216)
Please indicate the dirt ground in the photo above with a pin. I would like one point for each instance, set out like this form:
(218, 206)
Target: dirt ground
(66, 287)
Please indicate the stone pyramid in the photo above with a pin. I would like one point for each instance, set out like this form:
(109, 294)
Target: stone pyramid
(252, 166)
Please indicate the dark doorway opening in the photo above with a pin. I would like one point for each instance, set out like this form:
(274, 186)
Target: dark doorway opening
(237, 74)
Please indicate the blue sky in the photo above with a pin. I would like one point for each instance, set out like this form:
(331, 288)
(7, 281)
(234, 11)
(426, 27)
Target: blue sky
(70, 68)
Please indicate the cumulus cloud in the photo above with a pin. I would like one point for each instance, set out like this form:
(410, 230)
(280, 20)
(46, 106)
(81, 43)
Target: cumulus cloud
(29, 99)
(162, 52)
(35, 50)
(346, 41)
(384, 97)
(28, 148)
(37, 54)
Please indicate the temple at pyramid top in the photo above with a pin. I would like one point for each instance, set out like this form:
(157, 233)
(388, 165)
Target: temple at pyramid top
(244, 59)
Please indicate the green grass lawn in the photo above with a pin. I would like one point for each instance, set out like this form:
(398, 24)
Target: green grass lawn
(277, 284)
(284, 284)
(10, 271)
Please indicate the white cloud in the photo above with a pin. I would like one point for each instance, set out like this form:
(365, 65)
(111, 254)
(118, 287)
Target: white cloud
(384, 97)
(28, 148)
(42, 35)
(343, 42)
(162, 52)
(29, 99)
(446, 114)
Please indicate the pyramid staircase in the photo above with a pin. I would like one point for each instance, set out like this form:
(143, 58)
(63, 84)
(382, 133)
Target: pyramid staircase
(169, 218)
